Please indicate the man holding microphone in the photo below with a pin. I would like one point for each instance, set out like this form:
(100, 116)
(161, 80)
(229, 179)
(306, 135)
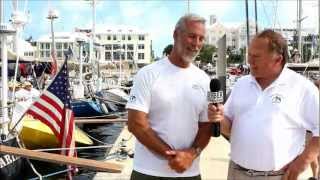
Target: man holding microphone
(267, 115)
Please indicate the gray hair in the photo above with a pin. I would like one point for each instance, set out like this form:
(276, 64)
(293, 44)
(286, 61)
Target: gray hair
(181, 24)
(276, 43)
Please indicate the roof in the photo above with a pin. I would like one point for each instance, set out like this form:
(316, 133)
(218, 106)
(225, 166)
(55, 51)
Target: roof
(64, 37)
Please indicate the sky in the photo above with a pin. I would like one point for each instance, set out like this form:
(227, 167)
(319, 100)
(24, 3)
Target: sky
(157, 17)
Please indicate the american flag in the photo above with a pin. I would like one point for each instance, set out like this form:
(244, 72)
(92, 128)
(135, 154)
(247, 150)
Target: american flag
(53, 108)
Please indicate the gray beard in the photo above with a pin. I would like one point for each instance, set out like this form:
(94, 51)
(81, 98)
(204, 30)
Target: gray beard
(189, 59)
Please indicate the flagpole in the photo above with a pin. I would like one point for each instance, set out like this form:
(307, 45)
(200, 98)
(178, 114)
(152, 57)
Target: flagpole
(51, 16)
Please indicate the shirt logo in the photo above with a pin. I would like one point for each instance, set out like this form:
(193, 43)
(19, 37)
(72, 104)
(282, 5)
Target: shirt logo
(196, 86)
(132, 99)
(276, 98)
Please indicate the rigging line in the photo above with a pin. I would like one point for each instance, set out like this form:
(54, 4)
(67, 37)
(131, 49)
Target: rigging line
(25, 6)
(21, 145)
(101, 142)
(278, 20)
(76, 148)
(51, 174)
(274, 18)
(265, 12)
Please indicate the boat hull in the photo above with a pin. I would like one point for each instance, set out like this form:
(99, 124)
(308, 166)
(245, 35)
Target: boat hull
(11, 167)
(36, 134)
(86, 108)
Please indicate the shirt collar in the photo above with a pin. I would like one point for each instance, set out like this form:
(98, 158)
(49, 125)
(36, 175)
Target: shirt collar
(282, 79)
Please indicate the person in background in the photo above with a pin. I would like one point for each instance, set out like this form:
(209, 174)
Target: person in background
(12, 87)
(267, 116)
(20, 93)
(32, 93)
(314, 164)
(167, 109)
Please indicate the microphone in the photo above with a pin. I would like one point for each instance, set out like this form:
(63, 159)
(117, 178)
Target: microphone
(215, 96)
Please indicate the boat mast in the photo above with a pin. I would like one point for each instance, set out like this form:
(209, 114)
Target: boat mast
(19, 20)
(4, 31)
(93, 58)
(248, 34)
(299, 20)
(256, 15)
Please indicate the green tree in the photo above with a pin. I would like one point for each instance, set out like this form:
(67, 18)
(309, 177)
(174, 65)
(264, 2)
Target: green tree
(205, 55)
(167, 50)
(234, 56)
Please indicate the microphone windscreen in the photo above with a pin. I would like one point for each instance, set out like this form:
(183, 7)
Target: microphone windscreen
(215, 85)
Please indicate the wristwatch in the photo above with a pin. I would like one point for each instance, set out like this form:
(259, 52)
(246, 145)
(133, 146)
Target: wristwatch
(197, 150)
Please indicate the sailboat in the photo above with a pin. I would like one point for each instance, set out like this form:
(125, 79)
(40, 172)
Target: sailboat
(10, 165)
(101, 102)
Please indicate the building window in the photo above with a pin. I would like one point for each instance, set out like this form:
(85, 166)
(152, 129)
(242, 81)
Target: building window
(59, 46)
(116, 55)
(130, 55)
(109, 37)
(48, 54)
(65, 45)
(47, 45)
(129, 37)
(107, 55)
(129, 46)
(41, 45)
(114, 37)
(42, 54)
(108, 47)
(141, 37)
(116, 46)
(141, 46)
(123, 37)
(59, 54)
(140, 55)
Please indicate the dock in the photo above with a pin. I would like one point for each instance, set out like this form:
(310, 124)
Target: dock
(213, 164)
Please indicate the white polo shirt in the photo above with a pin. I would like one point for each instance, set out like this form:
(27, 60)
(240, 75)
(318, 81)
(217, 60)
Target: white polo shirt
(269, 126)
(175, 100)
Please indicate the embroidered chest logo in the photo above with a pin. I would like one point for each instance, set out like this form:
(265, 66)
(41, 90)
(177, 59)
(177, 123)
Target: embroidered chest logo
(276, 98)
(196, 86)
(132, 98)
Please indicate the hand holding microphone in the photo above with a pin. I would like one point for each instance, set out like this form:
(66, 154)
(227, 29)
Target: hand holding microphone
(215, 108)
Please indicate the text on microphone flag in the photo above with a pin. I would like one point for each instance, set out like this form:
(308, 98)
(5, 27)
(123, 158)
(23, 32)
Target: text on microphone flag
(215, 97)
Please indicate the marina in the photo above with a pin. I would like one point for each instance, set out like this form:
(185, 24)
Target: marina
(64, 88)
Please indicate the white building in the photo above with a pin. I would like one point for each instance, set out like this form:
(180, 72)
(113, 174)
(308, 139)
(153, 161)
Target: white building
(123, 43)
(236, 33)
(63, 41)
(216, 30)
(243, 33)
(134, 44)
